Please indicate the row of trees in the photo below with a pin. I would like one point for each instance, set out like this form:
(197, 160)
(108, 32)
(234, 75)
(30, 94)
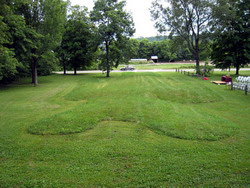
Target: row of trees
(168, 49)
(199, 29)
(101, 34)
(37, 35)
(198, 22)
(231, 46)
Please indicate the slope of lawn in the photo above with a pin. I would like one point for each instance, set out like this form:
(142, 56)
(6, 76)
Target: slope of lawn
(133, 129)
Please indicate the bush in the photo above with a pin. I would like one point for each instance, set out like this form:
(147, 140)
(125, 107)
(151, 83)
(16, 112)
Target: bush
(206, 70)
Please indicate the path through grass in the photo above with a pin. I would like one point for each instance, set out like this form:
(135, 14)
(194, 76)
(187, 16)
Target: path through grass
(133, 129)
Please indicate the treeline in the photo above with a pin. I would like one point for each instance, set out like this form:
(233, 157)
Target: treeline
(172, 49)
(30, 32)
(221, 24)
(153, 38)
(40, 36)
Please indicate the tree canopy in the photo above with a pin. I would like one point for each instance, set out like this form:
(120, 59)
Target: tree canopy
(30, 32)
(231, 45)
(185, 18)
(47, 18)
(40, 36)
(78, 43)
(115, 26)
(12, 31)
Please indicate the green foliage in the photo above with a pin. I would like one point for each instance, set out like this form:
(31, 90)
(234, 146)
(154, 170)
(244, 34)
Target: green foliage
(54, 21)
(206, 70)
(78, 45)
(23, 41)
(166, 50)
(29, 32)
(133, 48)
(8, 64)
(120, 51)
(11, 26)
(188, 19)
(180, 47)
(54, 13)
(232, 43)
(48, 63)
(145, 49)
(115, 26)
(45, 25)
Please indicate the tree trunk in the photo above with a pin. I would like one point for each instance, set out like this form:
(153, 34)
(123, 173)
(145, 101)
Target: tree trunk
(237, 68)
(197, 55)
(64, 68)
(34, 72)
(36, 79)
(74, 70)
(108, 71)
(107, 59)
(197, 61)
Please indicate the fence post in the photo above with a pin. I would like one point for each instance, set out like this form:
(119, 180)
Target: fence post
(232, 86)
(176, 70)
(246, 90)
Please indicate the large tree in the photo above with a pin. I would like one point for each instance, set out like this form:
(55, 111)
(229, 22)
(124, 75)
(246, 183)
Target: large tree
(46, 18)
(188, 19)
(78, 45)
(114, 26)
(232, 34)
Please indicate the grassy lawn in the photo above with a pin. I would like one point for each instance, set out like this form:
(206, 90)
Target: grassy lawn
(160, 66)
(133, 129)
(164, 66)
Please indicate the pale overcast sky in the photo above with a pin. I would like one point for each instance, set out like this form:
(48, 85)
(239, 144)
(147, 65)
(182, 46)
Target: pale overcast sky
(140, 12)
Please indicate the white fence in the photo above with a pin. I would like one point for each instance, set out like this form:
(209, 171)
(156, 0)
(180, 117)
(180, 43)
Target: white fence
(242, 83)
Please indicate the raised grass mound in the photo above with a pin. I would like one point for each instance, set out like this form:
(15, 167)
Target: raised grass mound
(68, 122)
(168, 118)
(186, 121)
(171, 105)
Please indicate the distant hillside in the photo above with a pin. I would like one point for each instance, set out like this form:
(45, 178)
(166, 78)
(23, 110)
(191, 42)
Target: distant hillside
(153, 39)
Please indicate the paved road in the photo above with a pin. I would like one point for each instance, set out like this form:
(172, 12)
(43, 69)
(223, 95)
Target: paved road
(153, 70)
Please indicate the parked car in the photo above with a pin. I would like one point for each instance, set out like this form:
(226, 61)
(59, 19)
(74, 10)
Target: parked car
(127, 67)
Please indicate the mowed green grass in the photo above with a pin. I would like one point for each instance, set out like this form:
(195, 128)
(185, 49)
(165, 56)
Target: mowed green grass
(151, 66)
(160, 66)
(130, 130)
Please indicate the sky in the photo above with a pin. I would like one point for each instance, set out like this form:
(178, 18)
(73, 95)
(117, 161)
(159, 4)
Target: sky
(140, 12)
